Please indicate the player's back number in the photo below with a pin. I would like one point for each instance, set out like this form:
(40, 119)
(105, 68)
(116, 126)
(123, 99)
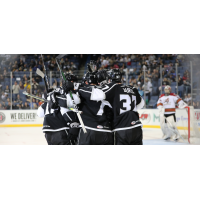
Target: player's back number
(128, 102)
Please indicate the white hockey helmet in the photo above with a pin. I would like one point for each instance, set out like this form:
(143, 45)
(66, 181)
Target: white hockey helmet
(167, 90)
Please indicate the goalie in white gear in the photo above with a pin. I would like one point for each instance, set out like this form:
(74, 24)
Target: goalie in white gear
(167, 108)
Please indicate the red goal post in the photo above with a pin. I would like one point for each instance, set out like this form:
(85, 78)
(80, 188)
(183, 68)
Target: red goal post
(187, 124)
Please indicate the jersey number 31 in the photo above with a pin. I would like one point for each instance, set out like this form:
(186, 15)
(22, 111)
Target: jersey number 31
(127, 102)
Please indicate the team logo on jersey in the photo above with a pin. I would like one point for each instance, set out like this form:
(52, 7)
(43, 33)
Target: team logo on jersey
(2, 117)
(166, 100)
(133, 123)
(99, 126)
(46, 126)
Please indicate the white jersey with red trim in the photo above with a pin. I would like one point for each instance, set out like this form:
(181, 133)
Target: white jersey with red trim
(169, 102)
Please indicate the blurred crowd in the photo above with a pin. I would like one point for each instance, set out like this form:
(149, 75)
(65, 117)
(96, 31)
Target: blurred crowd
(21, 66)
(148, 84)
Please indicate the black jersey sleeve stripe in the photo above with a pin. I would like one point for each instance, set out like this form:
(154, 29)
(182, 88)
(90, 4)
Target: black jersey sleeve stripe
(110, 88)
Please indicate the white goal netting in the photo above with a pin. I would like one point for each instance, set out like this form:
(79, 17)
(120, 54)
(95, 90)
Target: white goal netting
(188, 124)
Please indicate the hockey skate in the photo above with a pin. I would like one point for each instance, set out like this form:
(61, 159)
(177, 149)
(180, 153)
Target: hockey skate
(167, 137)
(176, 137)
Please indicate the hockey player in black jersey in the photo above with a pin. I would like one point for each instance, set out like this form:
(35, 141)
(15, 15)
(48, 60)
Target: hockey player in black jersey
(94, 117)
(54, 125)
(125, 100)
(61, 98)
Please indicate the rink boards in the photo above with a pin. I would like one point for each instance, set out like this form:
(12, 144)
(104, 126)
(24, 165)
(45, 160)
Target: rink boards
(149, 118)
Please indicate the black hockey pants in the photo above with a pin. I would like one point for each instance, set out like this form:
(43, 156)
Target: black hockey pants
(57, 138)
(132, 136)
(93, 137)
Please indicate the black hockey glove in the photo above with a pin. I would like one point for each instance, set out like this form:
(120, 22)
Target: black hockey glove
(67, 86)
(53, 103)
(73, 132)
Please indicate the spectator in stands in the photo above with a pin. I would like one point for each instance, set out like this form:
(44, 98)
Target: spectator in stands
(25, 78)
(172, 78)
(25, 69)
(177, 62)
(165, 82)
(152, 57)
(4, 105)
(15, 89)
(180, 57)
(18, 100)
(34, 84)
(19, 107)
(180, 81)
(133, 82)
(8, 106)
(21, 85)
(1, 78)
(148, 75)
(147, 87)
(186, 85)
(155, 76)
(52, 65)
(5, 73)
(189, 99)
(7, 90)
(195, 105)
(73, 66)
(27, 84)
(25, 106)
(198, 105)
(141, 92)
(135, 73)
(35, 106)
(185, 98)
(32, 64)
(111, 60)
(3, 96)
(184, 76)
(1, 106)
(133, 57)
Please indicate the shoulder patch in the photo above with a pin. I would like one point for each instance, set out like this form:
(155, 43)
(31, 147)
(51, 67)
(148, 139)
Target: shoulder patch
(172, 94)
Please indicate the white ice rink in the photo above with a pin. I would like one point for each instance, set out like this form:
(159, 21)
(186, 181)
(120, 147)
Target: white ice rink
(35, 136)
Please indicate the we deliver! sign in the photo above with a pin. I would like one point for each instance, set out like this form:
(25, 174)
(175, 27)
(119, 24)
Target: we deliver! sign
(19, 117)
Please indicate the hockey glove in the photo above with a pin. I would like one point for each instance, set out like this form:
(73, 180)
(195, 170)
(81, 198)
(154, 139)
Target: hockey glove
(67, 86)
(73, 132)
(53, 103)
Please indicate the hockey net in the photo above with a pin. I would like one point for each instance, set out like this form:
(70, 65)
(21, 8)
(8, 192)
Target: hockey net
(188, 124)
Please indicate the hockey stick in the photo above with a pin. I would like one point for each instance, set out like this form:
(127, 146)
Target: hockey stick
(46, 80)
(75, 106)
(44, 100)
(36, 97)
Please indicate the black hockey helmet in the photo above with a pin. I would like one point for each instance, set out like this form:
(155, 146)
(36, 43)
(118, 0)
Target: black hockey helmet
(71, 77)
(115, 75)
(102, 76)
(91, 78)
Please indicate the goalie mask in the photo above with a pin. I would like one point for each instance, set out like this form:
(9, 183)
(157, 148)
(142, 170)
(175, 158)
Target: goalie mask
(167, 90)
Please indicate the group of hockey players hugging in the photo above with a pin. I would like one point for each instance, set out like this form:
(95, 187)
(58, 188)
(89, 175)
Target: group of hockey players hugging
(108, 111)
